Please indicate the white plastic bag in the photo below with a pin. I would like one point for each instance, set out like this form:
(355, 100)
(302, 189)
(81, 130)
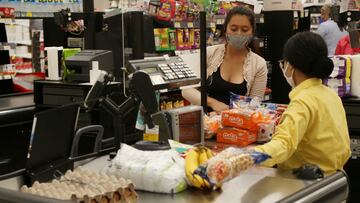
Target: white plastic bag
(154, 171)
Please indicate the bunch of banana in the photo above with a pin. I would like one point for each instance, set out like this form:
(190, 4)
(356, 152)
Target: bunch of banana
(194, 158)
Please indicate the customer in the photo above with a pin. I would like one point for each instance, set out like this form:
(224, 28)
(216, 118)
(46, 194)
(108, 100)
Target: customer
(233, 66)
(313, 129)
(329, 30)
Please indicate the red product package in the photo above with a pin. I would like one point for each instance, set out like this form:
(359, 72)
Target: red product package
(236, 136)
(167, 10)
(7, 12)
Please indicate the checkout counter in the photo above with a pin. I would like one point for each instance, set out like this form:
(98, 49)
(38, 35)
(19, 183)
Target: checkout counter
(257, 184)
(16, 116)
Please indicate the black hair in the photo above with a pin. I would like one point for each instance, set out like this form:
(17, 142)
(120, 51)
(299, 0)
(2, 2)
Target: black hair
(241, 10)
(308, 52)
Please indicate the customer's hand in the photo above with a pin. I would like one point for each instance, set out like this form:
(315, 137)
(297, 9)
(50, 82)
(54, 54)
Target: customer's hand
(217, 106)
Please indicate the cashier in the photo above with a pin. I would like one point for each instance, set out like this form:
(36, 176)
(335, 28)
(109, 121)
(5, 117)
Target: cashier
(313, 129)
(233, 67)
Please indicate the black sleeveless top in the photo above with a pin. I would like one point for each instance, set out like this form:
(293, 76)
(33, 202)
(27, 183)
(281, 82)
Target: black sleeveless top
(220, 89)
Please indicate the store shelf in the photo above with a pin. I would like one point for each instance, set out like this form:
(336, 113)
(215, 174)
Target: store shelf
(27, 55)
(24, 71)
(306, 5)
(196, 24)
(250, 2)
(314, 26)
(23, 42)
(315, 14)
(5, 77)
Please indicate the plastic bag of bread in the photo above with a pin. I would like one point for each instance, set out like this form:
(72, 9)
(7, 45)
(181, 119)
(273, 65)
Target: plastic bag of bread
(229, 164)
(211, 125)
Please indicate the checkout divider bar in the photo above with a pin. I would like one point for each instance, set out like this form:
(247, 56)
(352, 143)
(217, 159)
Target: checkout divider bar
(334, 188)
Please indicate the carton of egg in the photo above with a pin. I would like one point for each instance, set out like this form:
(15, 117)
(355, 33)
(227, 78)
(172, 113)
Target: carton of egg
(86, 186)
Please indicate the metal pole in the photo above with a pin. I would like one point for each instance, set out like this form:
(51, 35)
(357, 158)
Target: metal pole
(203, 60)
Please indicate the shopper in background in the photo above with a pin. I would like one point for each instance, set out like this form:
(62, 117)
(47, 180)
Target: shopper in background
(344, 46)
(313, 129)
(329, 30)
(232, 66)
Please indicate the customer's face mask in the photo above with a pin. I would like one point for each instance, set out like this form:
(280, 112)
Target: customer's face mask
(238, 41)
(289, 79)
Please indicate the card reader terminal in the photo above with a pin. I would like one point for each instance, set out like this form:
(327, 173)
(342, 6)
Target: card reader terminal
(165, 72)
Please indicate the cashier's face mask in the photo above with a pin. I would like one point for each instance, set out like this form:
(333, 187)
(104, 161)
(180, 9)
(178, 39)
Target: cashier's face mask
(238, 41)
(289, 79)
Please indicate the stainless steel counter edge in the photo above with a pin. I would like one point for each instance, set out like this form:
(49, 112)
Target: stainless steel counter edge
(333, 188)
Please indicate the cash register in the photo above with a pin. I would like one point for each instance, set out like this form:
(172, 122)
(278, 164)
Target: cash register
(165, 72)
(183, 124)
(147, 75)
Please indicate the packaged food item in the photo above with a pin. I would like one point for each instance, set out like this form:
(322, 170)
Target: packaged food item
(169, 105)
(180, 39)
(340, 86)
(355, 76)
(241, 118)
(181, 10)
(236, 136)
(161, 39)
(172, 39)
(203, 4)
(178, 103)
(342, 67)
(196, 38)
(155, 171)
(211, 125)
(265, 132)
(187, 38)
(228, 164)
(238, 101)
(191, 39)
(167, 10)
(340, 78)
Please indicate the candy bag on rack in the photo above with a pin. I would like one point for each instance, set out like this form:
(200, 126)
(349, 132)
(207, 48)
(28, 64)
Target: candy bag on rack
(228, 164)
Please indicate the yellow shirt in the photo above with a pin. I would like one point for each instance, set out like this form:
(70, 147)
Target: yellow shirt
(313, 130)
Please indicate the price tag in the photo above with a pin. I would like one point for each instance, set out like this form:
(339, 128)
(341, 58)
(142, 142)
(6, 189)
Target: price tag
(262, 20)
(306, 13)
(261, 44)
(29, 14)
(177, 25)
(218, 21)
(295, 14)
(190, 24)
(7, 48)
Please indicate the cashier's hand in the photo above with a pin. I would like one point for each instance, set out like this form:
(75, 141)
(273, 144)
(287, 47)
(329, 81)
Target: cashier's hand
(216, 105)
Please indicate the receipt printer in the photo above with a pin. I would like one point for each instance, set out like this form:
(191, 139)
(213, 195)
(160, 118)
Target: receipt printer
(82, 62)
